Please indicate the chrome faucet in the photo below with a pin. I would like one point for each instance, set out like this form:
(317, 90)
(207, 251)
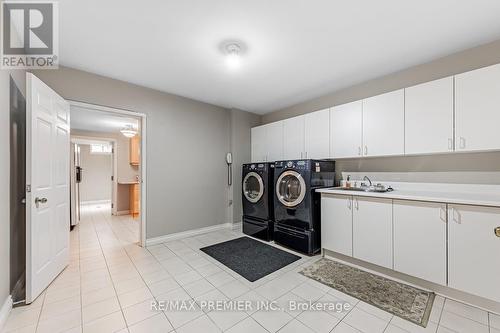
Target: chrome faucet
(368, 179)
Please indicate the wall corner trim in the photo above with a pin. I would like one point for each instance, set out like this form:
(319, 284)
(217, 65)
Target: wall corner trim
(5, 311)
(188, 233)
(237, 226)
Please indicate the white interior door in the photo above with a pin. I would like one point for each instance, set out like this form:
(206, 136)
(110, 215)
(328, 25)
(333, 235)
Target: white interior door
(47, 173)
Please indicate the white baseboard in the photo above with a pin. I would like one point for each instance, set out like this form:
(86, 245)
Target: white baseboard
(5, 311)
(188, 233)
(237, 226)
(123, 212)
(95, 202)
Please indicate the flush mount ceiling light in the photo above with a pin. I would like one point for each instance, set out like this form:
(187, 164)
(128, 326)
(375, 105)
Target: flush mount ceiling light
(129, 131)
(233, 55)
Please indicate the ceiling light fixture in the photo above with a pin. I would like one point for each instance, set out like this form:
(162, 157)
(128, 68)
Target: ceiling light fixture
(129, 131)
(233, 58)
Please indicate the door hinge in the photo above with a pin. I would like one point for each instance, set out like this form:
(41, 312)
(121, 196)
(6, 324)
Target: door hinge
(112, 205)
(28, 188)
(112, 178)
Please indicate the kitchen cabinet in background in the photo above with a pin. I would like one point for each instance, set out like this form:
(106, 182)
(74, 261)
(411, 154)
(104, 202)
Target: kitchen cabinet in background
(134, 153)
(135, 201)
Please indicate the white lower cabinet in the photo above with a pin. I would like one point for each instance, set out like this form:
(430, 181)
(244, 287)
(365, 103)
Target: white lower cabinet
(474, 250)
(336, 224)
(372, 230)
(420, 239)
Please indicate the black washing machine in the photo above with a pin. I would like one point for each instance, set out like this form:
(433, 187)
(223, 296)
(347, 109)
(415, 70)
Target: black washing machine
(297, 205)
(258, 208)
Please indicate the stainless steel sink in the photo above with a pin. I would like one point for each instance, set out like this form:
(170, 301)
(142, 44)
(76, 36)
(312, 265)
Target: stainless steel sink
(375, 188)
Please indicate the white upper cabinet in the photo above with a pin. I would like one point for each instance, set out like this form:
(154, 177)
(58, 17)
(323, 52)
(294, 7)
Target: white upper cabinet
(274, 135)
(473, 248)
(429, 117)
(477, 109)
(420, 232)
(383, 124)
(317, 134)
(258, 144)
(346, 130)
(267, 142)
(294, 138)
(372, 230)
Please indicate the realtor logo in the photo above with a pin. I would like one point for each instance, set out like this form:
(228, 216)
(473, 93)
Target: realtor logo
(29, 34)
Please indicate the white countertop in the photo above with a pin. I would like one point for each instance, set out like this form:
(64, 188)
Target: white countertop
(480, 195)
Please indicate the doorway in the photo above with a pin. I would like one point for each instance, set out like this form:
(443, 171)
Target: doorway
(108, 168)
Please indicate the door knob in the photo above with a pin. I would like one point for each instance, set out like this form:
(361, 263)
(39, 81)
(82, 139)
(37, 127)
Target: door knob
(497, 231)
(39, 201)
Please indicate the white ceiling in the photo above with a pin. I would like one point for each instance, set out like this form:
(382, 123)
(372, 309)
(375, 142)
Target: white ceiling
(296, 49)
(98, 121)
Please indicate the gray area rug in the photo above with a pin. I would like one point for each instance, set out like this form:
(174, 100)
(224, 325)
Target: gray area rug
(250, 258)
(400, 299)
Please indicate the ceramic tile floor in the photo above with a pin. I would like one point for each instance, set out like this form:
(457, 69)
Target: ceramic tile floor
(111, 282)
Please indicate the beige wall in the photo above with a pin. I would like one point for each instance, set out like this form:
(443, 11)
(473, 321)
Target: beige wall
(187, 142)
(454, 168)
(241, 123)
(96, 183)
(19, 77)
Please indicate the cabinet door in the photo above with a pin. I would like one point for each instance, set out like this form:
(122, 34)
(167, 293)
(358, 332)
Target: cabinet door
(274, 140)
(429, 117)
(258, 143)
(336, 223)
(383, 124)
(477, 109)
(317, 134)
(420, 239)
(293, 138)
(372, 230)
(346, 130)
(134, 151)
(473, 250)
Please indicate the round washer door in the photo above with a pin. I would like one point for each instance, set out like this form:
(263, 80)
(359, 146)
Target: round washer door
(253, 187)
(290, 188)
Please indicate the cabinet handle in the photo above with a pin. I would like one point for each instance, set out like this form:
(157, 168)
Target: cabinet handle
(357, 204)
(305, 154)
(462, 142)
(359, 150)
(450, 144)
(497, 231)
(366, 150)
(349, 203)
